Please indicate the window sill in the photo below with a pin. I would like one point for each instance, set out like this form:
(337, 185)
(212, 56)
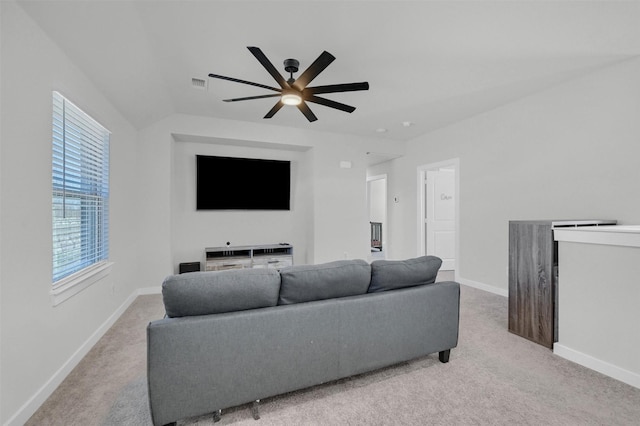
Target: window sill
(74, 284)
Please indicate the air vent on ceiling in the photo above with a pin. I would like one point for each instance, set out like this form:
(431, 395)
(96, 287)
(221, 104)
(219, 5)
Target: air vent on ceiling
(198, 83)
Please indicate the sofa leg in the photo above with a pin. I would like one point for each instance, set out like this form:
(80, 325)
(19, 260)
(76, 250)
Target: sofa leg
(171, 424)
(444, 355)
(255, 409)
(216, 416)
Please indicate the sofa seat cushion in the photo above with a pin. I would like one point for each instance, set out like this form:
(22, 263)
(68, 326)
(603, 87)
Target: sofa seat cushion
(204, 293)
(305, 283)
(394, 274)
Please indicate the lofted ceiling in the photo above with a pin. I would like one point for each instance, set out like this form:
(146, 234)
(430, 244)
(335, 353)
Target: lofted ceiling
(428, 63)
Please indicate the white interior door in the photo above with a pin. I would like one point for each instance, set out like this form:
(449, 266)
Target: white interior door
(440, 211)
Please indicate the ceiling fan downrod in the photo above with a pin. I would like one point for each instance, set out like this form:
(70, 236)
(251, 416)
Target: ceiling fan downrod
(291, 66)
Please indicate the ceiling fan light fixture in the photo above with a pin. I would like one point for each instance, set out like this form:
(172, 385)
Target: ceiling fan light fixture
(291, 99)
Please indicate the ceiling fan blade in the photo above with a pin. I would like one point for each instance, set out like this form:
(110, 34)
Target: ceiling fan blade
(304, 108)
(268, 66)
(248, 98)
(331, 104)
(275, 109)
(334, 88)
(314, 69)
(222, 77)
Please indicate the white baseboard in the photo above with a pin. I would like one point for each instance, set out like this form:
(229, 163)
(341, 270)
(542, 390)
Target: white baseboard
(482, 286)
(32, 405)
(618, 373)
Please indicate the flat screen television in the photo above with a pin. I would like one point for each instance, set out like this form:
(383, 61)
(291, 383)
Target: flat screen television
(230, 183)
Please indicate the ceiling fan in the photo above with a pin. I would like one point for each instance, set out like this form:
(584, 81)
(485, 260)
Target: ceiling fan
(294, 91)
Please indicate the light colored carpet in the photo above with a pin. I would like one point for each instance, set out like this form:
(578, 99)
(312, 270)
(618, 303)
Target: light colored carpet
(493, 378)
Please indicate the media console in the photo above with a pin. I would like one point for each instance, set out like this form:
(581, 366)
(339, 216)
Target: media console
(275, 256)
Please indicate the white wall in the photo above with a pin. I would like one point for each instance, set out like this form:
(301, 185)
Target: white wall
(37, 339)
(329, 220)
(599, 319)
(377, 200)
(341, 223)
(1, 239)
(569, 152)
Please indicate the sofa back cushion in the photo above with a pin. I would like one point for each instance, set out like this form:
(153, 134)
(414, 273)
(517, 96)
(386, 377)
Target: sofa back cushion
(394, 274)
(203, 293)
(305, 283)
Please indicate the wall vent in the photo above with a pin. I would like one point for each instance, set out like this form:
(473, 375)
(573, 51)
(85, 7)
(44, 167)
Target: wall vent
(198, 83)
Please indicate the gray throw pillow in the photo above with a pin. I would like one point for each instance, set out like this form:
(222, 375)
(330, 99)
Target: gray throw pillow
(204, 293)
(304, 283)
(393, 274)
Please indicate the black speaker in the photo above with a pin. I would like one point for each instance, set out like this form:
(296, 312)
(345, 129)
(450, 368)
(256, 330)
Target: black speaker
(189, 267)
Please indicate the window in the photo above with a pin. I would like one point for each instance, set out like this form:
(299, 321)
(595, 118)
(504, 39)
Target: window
(80, 197)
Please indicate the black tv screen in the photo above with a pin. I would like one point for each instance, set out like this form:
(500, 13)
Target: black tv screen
(230, 183)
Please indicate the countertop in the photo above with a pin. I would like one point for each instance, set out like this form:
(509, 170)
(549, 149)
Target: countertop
(615, 235)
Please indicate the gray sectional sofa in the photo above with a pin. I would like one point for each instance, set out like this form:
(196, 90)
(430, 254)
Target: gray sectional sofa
(234, 337)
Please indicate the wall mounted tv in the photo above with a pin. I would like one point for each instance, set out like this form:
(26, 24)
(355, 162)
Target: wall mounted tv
(230, 183)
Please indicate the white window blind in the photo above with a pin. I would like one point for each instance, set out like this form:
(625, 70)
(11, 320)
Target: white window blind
(80, 190)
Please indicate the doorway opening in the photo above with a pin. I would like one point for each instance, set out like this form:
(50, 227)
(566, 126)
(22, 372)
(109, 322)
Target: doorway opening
(438, 212)
(377, 210)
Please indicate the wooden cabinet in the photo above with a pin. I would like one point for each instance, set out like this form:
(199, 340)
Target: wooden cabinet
(238, 257)
(534, 277)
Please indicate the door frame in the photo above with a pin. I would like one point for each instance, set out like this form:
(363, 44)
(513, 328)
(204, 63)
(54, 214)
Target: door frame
(385, 238)
(422, 172)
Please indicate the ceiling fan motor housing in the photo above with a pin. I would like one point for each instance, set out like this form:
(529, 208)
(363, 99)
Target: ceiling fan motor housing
(291, 65)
